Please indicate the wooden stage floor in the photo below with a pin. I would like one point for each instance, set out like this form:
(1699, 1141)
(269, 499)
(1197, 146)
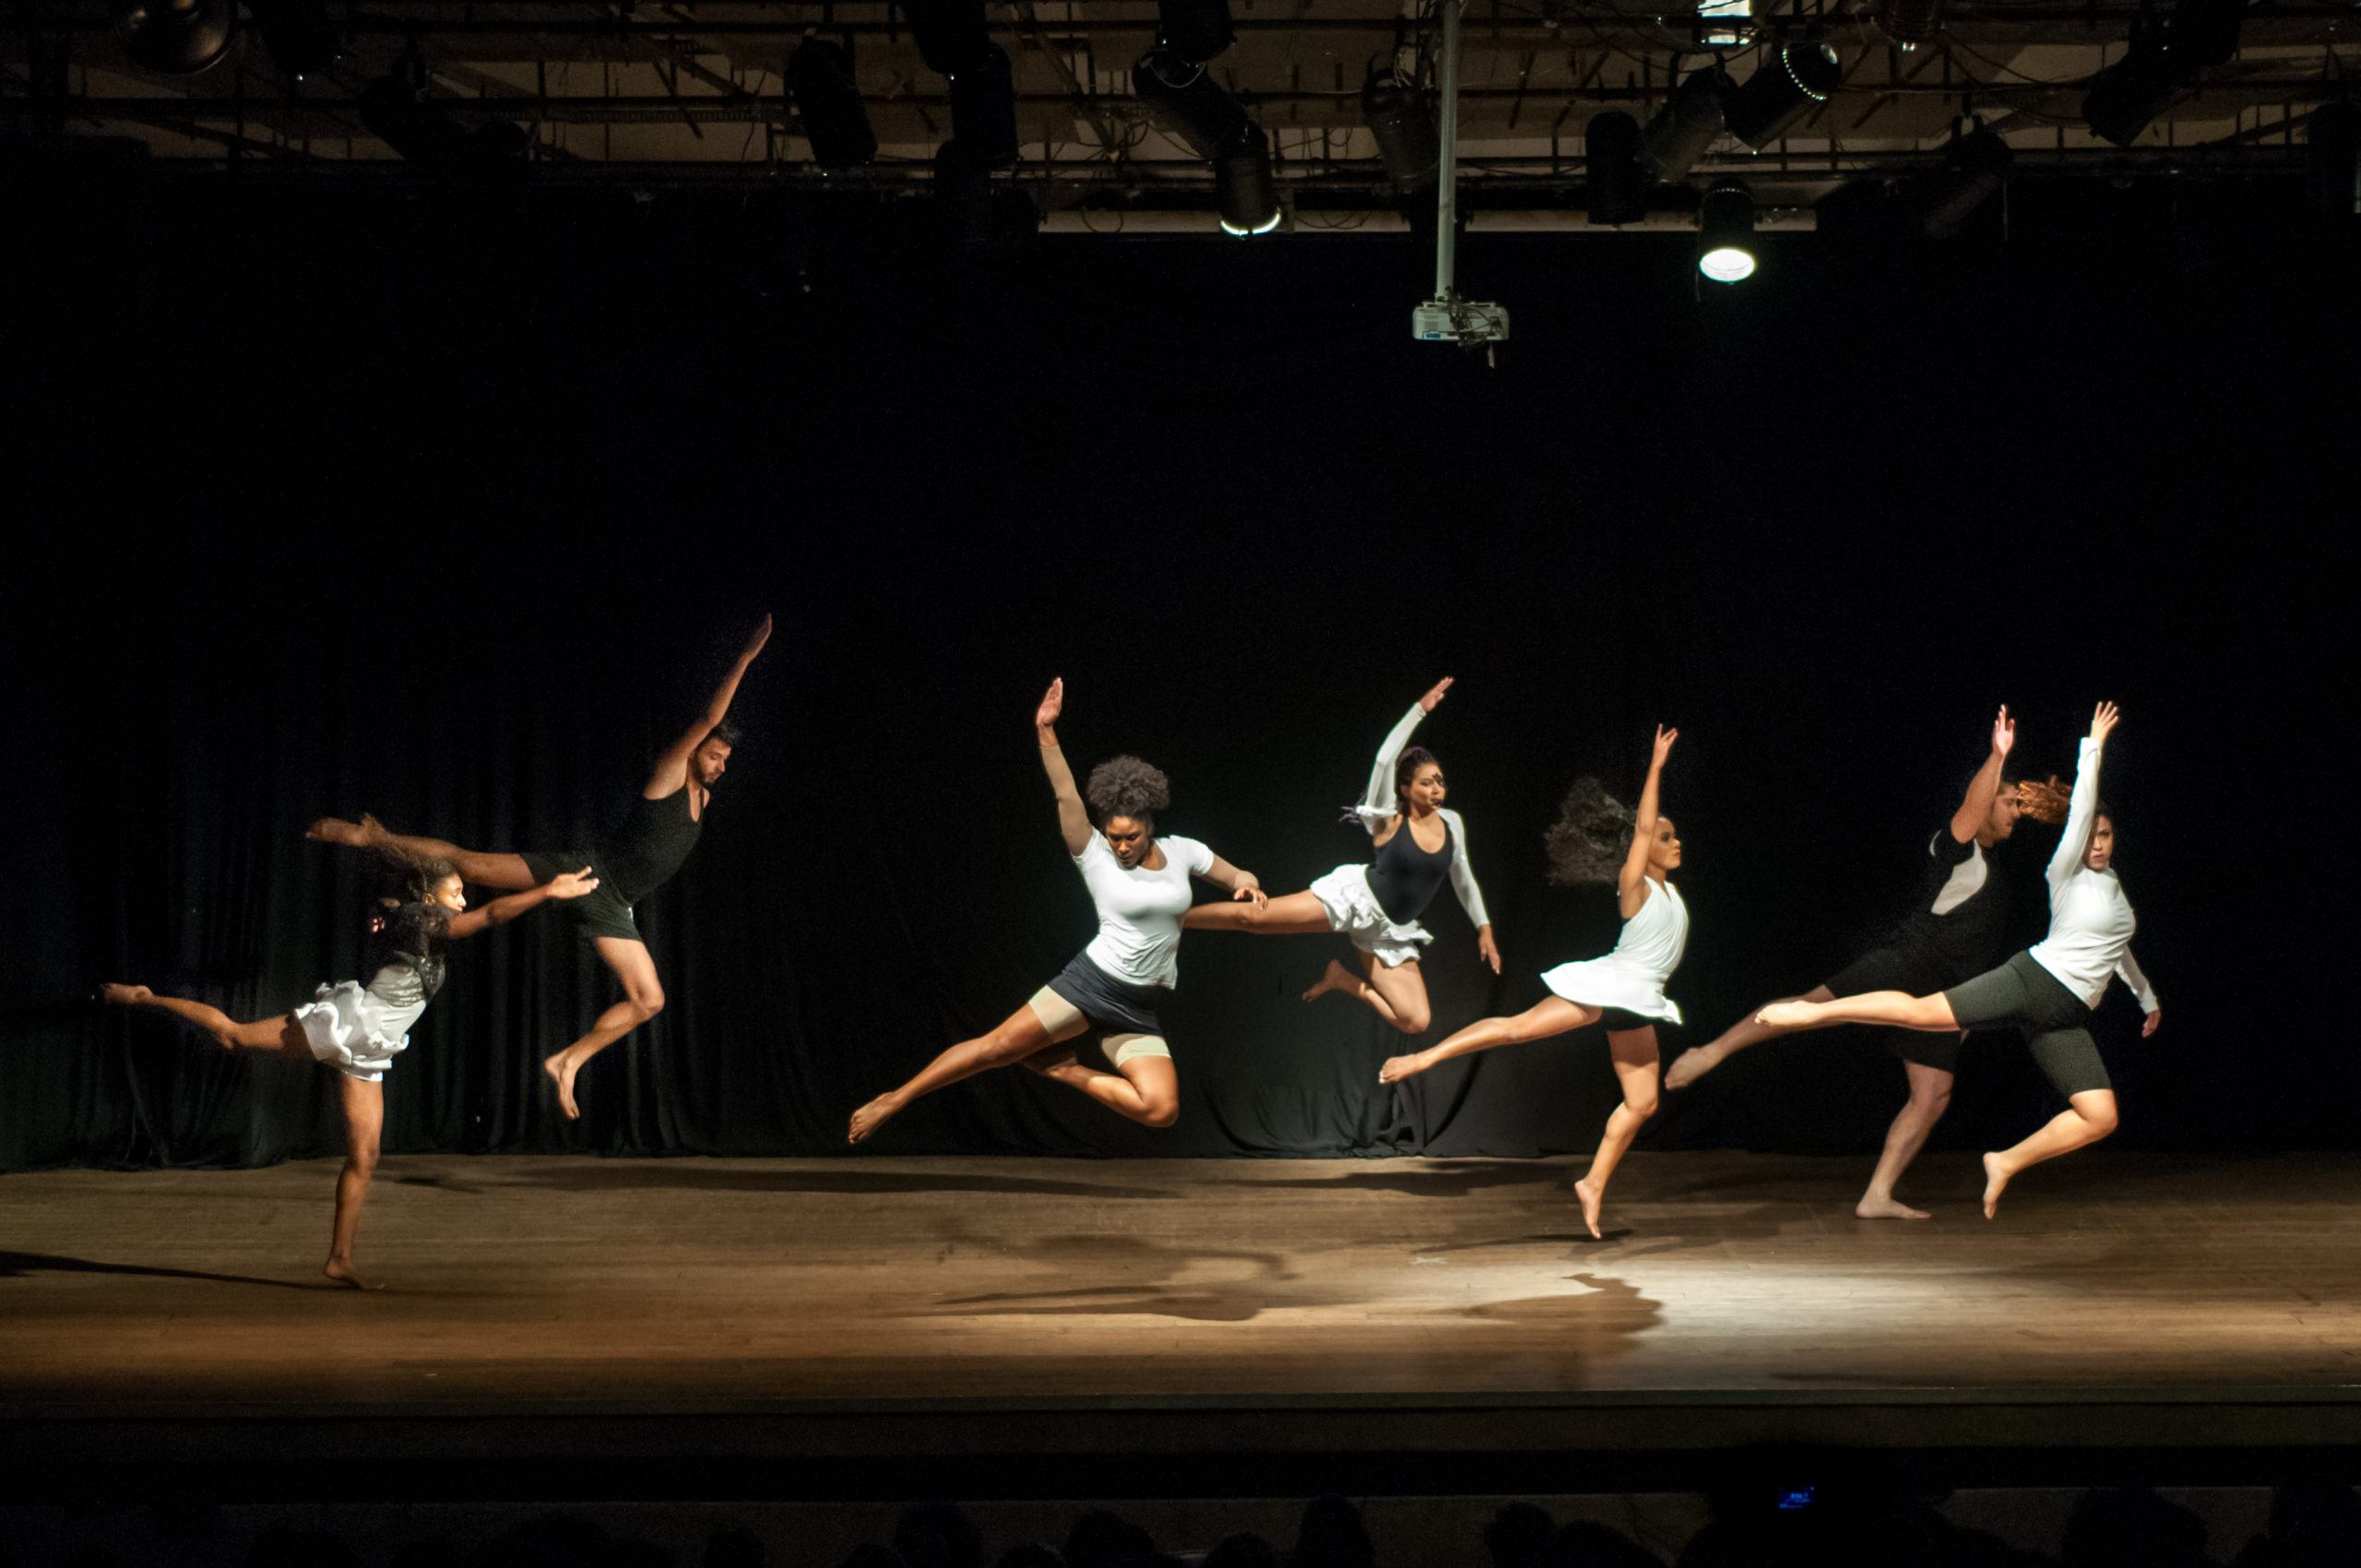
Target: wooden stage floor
(1007, 1305)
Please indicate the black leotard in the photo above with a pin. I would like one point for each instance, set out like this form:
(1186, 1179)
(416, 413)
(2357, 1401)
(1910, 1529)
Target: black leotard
(644, 852)
(1405, 877)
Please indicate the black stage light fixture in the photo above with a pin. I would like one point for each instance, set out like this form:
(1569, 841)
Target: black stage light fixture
(1618, 186)
(1976, 167)
(1791, 81)
(1678, 133)
(836, 122)
(1245, 189)
(1911, 22)
(2172, 43)
(400, 111)
(301, 40)
(1397, 115)
(1181, 93)
(1726, 232)
(176, 38)
(2332, 159)
(983, 109)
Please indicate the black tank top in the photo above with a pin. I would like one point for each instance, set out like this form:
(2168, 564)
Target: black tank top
(655, 837)
(1405, 877)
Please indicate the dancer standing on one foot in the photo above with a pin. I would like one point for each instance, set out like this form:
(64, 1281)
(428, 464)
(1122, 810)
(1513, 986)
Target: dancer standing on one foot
(1140, 884)
(2048, 992)
(1959, 930)
(1596, 839)
(1418, 842)
(634, 862)
(358, 1029)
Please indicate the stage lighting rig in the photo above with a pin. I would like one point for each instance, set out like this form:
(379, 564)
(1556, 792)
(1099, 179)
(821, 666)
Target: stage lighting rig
(1448, 318)
(2172, 43)
(1724, 24)
(1726, 232)
(1397, 113)
(1680, 131)
(836, 122)
(1617, 186)
(1975, 168)
(954, 39)
(1174, 79)
(175, 38)
(400, 111)
(1791, 81)
(1909, 23)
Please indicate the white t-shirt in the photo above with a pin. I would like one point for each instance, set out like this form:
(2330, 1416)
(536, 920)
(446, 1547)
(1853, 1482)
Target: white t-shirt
(1140, 910)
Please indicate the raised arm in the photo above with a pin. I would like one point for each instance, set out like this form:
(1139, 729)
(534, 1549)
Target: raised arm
(1643, 829)
(1073, 821)
(671, 769)
(1378, 801)
(2083, 809)
(500, 912)
(1977, 809)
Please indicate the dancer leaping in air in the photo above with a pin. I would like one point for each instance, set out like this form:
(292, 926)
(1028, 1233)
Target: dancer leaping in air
(1417, 843)
(1958, 930)
(358, 1029)
(2048, 992)
(632, 862)
(1140, 883)
(1598, 839)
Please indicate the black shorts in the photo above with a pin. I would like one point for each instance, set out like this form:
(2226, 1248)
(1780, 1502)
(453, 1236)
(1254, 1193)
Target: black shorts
(1616, 1020)
(1107, 1004)
(1913, 974)
(2024, 996)
(599, 912)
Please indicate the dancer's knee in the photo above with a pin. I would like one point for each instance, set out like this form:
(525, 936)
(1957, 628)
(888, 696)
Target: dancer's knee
(1930, 1101)
(1159, 1109)
(2099, 1116)
(1415, 1019)
(1004, 1048)
(1640, 1102)
(648, 1002)
(361, 1160)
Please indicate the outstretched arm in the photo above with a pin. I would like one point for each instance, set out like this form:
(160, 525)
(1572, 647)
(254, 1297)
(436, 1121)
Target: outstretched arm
(1643, 829)
(1243, 886)
(500, 912)
(1073, 821)
(2082, 810)
(1378, 801)
(671, 769)
(1977, 809)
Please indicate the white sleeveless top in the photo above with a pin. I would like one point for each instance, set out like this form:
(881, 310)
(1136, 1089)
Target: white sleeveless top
(1633, 976)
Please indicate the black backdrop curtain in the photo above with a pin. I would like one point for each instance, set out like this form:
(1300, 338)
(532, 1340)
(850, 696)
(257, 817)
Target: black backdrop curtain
(334, 501)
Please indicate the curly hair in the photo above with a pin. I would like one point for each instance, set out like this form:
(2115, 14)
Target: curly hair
(2045, 799)
(1406, 767)
(1591, 837)
(1124, 786)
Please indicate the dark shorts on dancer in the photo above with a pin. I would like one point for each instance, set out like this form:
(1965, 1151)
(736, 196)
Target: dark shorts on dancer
(1616, 1021)
(1086, 998)
(599, 912)
(2024, 996)
(1913, 974)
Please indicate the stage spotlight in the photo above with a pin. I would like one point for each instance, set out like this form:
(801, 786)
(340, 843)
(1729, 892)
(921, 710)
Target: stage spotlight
(400, 112)
(1618, 186)
(1678, 133)
(983, 109)
(2332, 159)
(1976, 167)
(1726, 232)
(1910, 23)
(836, 122)
(177, 38)
(1789, 83)
(1408, 143)
(297, 33)
(2171, 44)
(1243, 186)
(1183, 96)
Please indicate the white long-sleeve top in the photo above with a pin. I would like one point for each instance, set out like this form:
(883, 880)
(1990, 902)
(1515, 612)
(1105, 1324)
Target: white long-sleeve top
(1380, 802)
(2091, 921)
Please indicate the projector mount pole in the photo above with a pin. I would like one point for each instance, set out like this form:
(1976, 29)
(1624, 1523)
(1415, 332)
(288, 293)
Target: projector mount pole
(1447, 318)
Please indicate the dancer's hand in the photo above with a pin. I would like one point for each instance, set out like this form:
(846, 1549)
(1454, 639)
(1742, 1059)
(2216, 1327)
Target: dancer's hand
(755, 644)
(2150, 1027)
(1427, 703)
(2104, 721)
(1053, 702)
(2004, 733)
(1664, 737)
(1485, 948)
(1248, 889)
(573, 884)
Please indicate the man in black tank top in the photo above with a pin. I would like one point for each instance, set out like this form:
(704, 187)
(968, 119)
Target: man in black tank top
(640, 856)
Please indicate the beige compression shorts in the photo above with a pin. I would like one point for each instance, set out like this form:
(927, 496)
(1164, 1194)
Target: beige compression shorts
(1063, 1020)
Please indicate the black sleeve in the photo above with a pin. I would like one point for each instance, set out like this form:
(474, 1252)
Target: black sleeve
(1947, 849)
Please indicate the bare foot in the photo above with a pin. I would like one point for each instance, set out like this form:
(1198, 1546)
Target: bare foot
(560, 1069)
(345, 1274)
(123, 995)
(1335, 977)
(1397, 1068)
(1787, 1014)
(1994, 1179)
(870, 1117)
(1886, 1209)
(1593, 1195)
(1690, 1067)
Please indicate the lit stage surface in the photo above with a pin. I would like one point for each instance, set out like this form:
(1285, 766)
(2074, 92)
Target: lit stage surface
(980, 1312)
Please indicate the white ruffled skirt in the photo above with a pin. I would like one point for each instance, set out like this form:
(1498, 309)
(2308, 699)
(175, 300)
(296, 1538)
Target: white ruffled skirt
(355, 1031)
(1614, 983)
(1354, 909)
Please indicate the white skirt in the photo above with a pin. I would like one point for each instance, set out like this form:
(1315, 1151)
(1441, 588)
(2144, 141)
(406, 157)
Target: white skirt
(1613, 982)
(1354, 909)
(354, 1031)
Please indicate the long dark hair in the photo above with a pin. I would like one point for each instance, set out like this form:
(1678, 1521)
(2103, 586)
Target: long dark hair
(1406, 768)
(1591, 837)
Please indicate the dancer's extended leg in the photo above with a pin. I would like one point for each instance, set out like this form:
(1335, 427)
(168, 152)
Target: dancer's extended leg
(1699, 1060)
(482, 868)
(2088, 1117)
(281, 1034)
(1290, 916)
(1894, 1007)
(1144, 1089)
(1553, 1015)
(1395, 992)
(364, 1118)
(1018, 1037)
(1635, 1065)
(643, 998)
(1930, 1096)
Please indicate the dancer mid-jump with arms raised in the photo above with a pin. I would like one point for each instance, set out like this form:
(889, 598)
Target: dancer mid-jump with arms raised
(632, 862)
(1140, 883)
(2048, 992)
(1625, 990)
